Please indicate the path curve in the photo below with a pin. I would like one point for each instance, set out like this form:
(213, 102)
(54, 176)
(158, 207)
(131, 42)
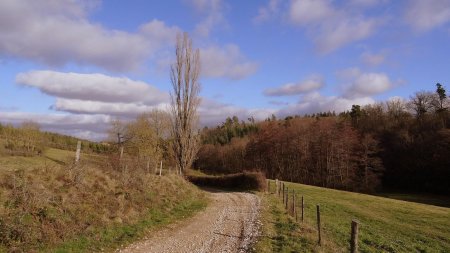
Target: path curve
(229, 224)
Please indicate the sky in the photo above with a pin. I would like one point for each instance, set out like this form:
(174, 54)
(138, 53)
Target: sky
(74, 65)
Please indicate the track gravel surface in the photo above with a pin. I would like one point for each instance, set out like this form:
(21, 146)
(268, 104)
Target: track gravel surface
(229, 224)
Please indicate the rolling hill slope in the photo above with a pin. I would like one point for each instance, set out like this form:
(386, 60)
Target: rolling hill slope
(386, 225)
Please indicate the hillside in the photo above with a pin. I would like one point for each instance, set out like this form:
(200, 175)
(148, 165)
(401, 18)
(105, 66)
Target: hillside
(387, 225)
(50, 204)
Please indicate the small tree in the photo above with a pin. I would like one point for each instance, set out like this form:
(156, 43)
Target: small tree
(184, 102)
(439, 102)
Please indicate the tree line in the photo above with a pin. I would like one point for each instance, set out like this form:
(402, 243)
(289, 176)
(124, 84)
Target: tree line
(395, 145)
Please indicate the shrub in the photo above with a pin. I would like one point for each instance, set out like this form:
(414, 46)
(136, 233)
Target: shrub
(238, 181)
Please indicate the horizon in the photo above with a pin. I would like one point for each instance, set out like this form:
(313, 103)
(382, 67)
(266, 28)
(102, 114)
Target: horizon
(72, 66)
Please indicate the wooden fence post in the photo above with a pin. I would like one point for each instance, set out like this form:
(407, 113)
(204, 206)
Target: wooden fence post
(160, 169)
(283, 193)
(276, 187)
(318, 225)
(293, 205)
(354, 238)
(121, 153)
(303, 208)
(287, 200)
(77, 154)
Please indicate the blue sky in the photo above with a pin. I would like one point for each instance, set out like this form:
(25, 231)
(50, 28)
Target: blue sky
(73, 65)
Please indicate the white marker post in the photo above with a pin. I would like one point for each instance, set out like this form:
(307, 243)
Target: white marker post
(77, 155)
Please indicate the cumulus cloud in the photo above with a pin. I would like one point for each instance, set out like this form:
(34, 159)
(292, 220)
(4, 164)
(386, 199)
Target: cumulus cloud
(94, 87)
(226, 61)
(312, 83)
(426, 15)
(367, 3)
(315, 102)
(310, 11)
(212, 112)
(123, 110)
(329, 26)
(92, 127)
(58, 32)
(361, 84)
(372, 59)
(265, 12)
(214, 15)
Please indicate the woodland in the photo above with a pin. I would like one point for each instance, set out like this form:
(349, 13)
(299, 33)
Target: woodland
(396, 145)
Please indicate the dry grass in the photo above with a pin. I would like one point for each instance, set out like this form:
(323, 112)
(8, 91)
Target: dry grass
(44, 206)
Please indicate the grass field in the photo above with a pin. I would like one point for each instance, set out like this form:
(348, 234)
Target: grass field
(387, 225)
(50, 157)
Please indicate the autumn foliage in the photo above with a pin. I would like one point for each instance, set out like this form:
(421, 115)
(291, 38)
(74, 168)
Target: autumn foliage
(396, 145)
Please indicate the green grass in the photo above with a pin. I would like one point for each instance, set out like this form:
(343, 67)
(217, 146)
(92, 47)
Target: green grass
(114, 237)
(281, 233)
(387, 225)
(50, 157)
(430, 199)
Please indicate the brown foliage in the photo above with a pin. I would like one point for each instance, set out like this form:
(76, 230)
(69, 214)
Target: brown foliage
(325, 152)
(238, 181)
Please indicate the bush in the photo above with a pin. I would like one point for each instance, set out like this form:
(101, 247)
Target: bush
(238, 181)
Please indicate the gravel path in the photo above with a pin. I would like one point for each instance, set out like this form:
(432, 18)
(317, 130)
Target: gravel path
(229, 224)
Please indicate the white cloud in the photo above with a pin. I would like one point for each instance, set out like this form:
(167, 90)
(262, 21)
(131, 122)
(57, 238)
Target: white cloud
(426, 15)
(331, 27)
(312, 83)
(213, 9)
(305, 12)
(94, 87)
(212, 112)
(361, 84)
(314, 102)
(58, 32)
(367, 3)
(265, 12)
(225, 62)
(128, 110)
(372, 59)
(84, 126)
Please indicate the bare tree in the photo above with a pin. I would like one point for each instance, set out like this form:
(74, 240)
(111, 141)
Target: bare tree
(118, 132)
(184, 102)
(421, 103)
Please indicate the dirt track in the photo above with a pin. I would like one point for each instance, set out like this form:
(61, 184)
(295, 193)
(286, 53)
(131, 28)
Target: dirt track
(229, 224)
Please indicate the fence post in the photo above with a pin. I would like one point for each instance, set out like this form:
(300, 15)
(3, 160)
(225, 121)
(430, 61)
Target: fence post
(318, 225)
(276, 187)
(287, 200)
(303, 208)
(268, 186)
(354, 238)
(293, 205)
(77, 154)
(283, 193)
(160, 169)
